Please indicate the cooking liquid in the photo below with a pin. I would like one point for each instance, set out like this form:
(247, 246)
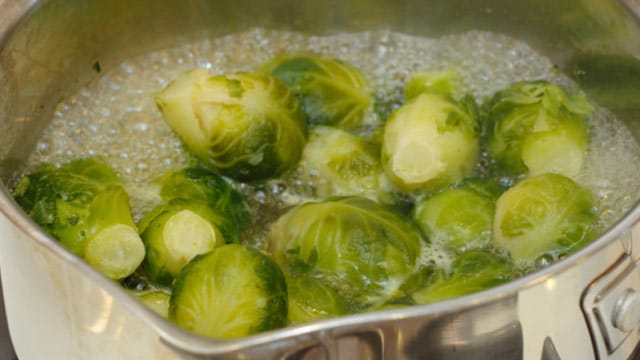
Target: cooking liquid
(116, 118)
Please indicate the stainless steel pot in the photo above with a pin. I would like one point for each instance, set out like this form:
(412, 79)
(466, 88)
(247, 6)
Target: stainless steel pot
(586, 306)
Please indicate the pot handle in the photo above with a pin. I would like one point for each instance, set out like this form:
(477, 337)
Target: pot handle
(611, 303)
(596, 301)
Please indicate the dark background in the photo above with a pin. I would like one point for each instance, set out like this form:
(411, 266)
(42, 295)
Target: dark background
(6, 349)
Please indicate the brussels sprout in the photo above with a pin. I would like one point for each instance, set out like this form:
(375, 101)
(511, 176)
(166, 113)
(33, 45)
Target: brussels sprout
(440, 82)
(331, 92)
(459, 218)
(545, 215)
(230, 292)
(346, 164)
(156, 300)
(83, 205)
(537, 127)
(430, 142)
(351, 244)
(472, 271)
(200, 184)
(201, 210)
(310, 299)
(179, 231)
(245, 126)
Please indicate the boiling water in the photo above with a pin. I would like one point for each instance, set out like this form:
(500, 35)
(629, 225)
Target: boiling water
(116, 118)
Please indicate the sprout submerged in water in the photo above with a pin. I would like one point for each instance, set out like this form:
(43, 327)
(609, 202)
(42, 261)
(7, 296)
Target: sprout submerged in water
(245, 126)
(310, 299)
(460, 218)
(543, 215)
(230, 292)
(470, 272)
(346, 164)
(83, 205)
(537, 127)
(330, 91)
(353, 245)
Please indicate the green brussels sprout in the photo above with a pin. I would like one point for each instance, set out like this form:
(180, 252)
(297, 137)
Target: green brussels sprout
(177, 232)
(440, 82)
(472, 271)
(245, 126)
(156, 300)
(200, 184)
(201, 210)
(459, 218)
(544, 215)
(83, 205)
(537, 127)
(430, 142)
(345, 163)
(330, 91)
(351, 244)
(230, 292)
(310, 299)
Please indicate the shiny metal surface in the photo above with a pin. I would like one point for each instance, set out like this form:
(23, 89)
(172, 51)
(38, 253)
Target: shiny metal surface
(50, 293)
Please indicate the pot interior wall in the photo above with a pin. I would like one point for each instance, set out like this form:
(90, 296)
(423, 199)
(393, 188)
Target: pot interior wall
(63, 44)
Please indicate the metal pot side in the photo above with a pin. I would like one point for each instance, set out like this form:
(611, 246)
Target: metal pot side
(60, 308)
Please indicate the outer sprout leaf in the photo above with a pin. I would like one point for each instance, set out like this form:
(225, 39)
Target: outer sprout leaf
(200, 184)
(440, 82)
(330, 91)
